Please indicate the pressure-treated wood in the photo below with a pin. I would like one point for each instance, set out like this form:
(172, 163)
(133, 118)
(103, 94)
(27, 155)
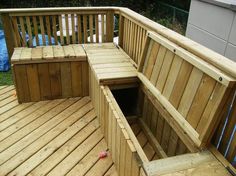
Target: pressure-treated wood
(110, 63)
(50, 72)
(40, 138)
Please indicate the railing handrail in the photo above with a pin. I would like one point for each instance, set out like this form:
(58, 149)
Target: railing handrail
(226, 65)
(55, 9)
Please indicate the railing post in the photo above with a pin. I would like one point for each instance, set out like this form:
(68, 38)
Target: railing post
(9, 34)
(109, 26)
(121, 30)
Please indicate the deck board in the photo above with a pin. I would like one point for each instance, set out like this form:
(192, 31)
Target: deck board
(55, 137)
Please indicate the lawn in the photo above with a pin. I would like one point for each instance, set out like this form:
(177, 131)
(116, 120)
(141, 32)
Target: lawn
(6, 78)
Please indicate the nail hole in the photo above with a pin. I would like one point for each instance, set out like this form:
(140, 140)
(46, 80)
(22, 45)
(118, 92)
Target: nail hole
(220, 78)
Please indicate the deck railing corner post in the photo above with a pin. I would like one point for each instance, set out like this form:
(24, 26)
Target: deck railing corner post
(9, 33)
(109, 26)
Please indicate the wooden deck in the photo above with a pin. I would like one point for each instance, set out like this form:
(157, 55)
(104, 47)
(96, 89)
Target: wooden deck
(55, 137)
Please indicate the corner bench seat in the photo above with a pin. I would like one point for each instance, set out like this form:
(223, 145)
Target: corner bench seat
(110, 63)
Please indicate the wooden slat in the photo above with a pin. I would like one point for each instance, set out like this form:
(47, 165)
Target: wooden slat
(85, 29)
(48, 52)
(194, 60)
(16, 31)
(44, 81)
(35, 24)
(67, 29)
(33, 82)
(73, 28)
(103, 29)
(22, 83)
(91, 28)
(22, 26)
(65, 82)
(76, 77)
(97, 32)
(55, 80)
(29, 31)
(79, 28)
(37, 54)
(59, 141)
(25, 54)
(61, 30)
(54, 29)
(42, 29)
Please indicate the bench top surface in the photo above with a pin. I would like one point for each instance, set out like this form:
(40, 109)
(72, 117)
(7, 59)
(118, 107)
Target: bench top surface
(109, 62)
(48, 54)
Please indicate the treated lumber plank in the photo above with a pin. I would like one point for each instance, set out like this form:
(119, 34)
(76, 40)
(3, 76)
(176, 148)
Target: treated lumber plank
(37, 53)
(158, 65)
(65, 137)
(164, 70)
(152, 140)
(44, 81)
(58, 52)
(66, 85)
(194, 60)
(76, 78)
(70, 161)
(26, 116)
(52, 133)
(48, 52)
(22, 88)
(16, 55)
(55, 80)
(27, 136)
(11, 109)
(170, 108)
(177, 163)
(90, 159)
(33, 82)
(190, 91)
(200, 100)
(25, 54)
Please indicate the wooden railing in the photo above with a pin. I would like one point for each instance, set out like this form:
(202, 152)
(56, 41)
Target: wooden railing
(53, 26)
(133, 27)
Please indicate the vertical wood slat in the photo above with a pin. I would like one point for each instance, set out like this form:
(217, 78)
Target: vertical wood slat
(29, 30)
(42, 29)
(67, 29)
(121, 31)
(48, 26)
(91, 28)
(97, 30)
(55, 80)
(54, 28)
(20, 75)
(33, 82)
(35, 24)
(102, 27)
(79, 28)
(61, 30)
(22, 26)
(16, 31)
(73, 28)
(85, 29)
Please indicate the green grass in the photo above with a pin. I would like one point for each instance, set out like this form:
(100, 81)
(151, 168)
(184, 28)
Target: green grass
(6, 78)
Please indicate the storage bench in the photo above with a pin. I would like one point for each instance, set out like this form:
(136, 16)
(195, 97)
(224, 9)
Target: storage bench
(50, 72)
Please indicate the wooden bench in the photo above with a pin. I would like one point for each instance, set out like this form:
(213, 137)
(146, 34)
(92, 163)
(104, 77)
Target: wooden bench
(50, 72)
(110, 64)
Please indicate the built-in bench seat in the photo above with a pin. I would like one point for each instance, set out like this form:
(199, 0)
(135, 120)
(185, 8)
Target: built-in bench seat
(50, 72)
(110, 63)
